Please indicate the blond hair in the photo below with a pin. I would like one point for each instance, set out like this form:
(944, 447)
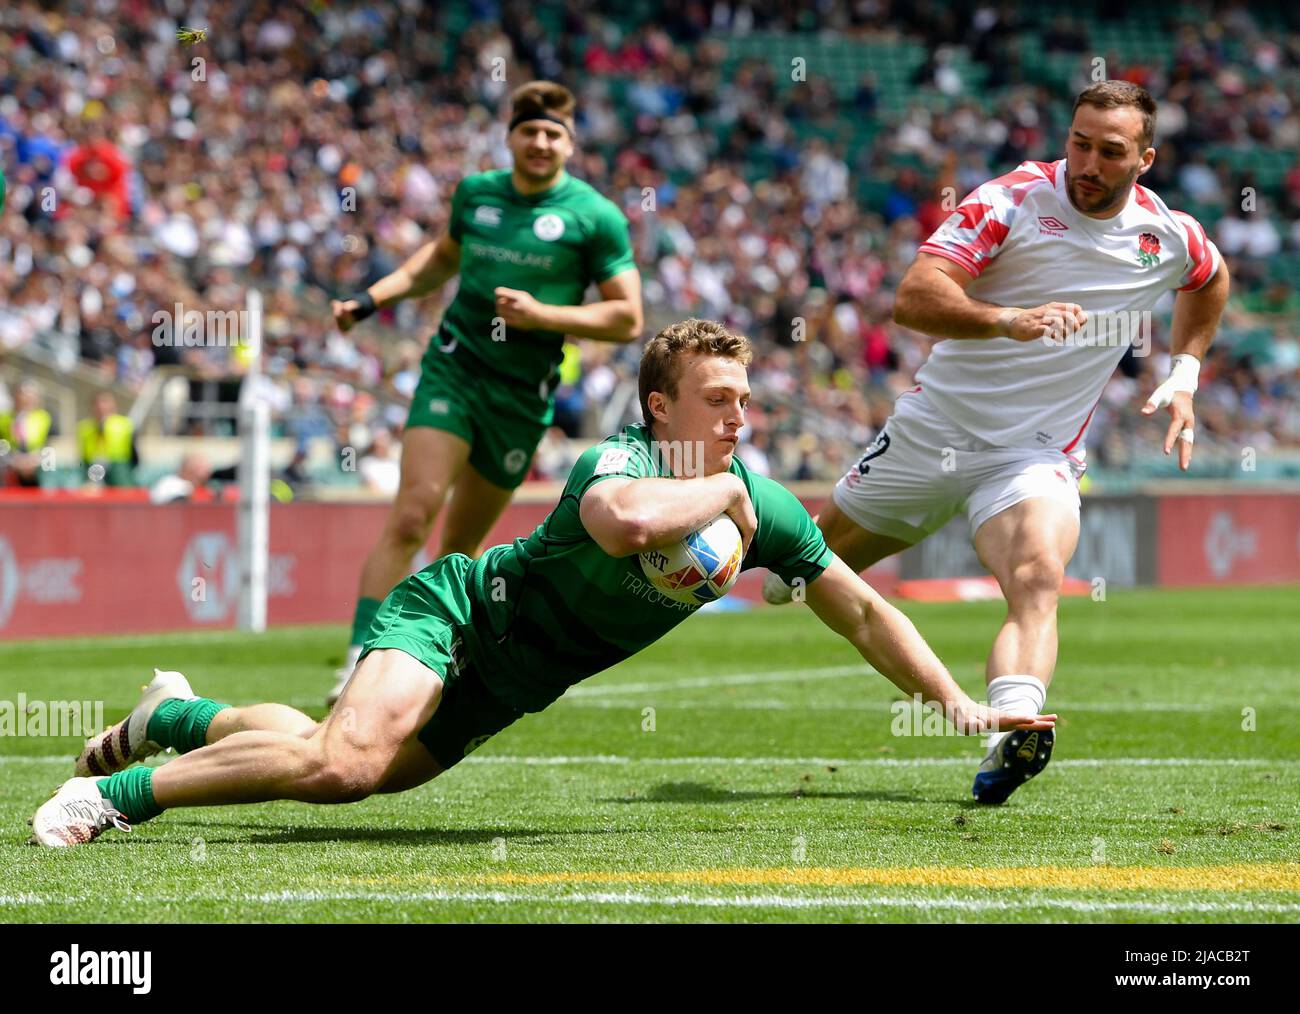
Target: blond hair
(661, 360)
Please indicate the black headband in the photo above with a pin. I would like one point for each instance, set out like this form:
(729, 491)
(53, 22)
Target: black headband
(525, 117)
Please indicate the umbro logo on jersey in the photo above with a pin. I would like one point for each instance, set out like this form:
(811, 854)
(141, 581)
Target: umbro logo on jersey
(485, 214)
(1049, 225)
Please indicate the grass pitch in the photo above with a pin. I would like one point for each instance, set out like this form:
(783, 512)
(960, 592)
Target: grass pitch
(742, 769)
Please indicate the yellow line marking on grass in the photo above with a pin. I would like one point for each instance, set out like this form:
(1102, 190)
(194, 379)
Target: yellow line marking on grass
(1240, 877)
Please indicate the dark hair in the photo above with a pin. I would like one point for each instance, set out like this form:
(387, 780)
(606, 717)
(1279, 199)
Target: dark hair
(661, 366)
(541, 99)
(1117, 94)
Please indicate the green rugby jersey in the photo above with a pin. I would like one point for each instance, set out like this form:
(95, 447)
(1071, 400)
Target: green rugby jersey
(554, 608)
(551, 245)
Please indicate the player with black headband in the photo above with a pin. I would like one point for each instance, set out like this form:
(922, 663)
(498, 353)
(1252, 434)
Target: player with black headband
(526, 242)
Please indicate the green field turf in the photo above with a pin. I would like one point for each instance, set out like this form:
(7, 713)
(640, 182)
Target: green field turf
(771, 787)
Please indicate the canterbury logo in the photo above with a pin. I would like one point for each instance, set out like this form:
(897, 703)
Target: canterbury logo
(1028, 748)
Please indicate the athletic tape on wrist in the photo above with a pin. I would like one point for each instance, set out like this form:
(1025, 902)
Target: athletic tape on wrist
(1185, 373)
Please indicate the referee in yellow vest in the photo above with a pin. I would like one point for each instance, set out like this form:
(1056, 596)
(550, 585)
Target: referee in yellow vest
(108, 439)
(23, 433)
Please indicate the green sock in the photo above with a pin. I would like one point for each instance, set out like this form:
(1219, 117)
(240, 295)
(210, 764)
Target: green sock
(183, 725)
(131, 792)
(362, 618)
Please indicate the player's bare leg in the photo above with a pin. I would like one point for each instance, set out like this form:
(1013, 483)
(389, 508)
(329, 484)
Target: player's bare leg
(412, 766)
(261, 718)
(355, 752)
(474, 507)
(855, 545)
(259, 753)
(432, 461)
(852, 543)
(1027, 548)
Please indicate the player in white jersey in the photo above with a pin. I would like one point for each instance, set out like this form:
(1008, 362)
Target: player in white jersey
(1040, 279)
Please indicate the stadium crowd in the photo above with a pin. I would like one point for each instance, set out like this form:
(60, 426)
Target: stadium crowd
(308, 149)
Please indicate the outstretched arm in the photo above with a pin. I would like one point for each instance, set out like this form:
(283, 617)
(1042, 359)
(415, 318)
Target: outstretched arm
(1196, 318)
(887, 639)
(427, 269)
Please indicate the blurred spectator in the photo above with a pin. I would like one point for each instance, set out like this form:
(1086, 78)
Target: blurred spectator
(554, 458)
(107, 439)
(1199, 181)
(570, 397)
(315, 157)
(379, 468)
(1253, 234)
(190, 481)
(24, 431)
(99, 165)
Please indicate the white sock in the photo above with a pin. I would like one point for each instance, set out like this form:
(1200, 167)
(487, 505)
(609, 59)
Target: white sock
(354, 656)
(1018, 695)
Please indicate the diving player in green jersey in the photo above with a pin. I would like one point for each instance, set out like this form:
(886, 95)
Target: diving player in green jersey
(526, 243)
(463, 648)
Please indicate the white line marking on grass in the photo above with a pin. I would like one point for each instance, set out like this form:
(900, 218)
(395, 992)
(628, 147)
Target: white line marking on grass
(38, 760)
(884, 762)
(780, 901)
(99, 643)
(547, 760)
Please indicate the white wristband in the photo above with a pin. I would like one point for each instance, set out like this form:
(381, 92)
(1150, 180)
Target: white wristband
(1182, 379)
(1184, 373)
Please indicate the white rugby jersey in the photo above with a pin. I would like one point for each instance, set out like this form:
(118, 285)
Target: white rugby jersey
(1026, 245)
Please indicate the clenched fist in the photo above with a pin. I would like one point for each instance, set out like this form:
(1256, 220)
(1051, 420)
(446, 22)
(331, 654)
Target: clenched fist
(343, 313)
(518, 308)
(1050, 322)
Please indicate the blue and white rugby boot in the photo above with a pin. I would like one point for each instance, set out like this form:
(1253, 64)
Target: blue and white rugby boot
(1018, 756)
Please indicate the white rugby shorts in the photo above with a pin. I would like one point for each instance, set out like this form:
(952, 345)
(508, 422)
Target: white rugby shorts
(922, 469)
